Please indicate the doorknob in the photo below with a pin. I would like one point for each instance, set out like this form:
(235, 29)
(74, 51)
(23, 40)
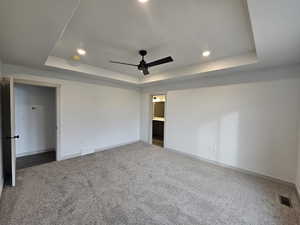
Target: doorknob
(14, 137)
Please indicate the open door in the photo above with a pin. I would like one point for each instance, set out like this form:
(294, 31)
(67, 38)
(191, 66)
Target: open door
(158, 119)
(8, 131)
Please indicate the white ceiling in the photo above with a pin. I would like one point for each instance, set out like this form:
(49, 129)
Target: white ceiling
(276, 28)
(29, 29)
(39, 33)
(117, 30)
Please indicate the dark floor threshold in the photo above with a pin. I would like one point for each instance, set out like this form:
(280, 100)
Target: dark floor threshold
(34, 160)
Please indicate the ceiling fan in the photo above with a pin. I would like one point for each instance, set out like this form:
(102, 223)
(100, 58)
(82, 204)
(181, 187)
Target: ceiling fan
(143, 66)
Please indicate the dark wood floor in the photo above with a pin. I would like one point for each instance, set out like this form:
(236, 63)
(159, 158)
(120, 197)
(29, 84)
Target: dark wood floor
(34, 160)
(158, 141)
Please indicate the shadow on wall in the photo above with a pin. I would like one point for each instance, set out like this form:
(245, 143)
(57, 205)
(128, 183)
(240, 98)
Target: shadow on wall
(219, 139)
(250, 140)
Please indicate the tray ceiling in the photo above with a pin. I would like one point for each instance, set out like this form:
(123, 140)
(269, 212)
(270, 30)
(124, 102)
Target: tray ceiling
(117, 30)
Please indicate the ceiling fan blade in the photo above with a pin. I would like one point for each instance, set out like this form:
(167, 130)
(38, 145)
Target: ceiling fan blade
(122, 63)
(146, 71)
(160, 61)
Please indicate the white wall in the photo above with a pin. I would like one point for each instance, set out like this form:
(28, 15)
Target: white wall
(92, 116)
(252, 126)
(35, 114)
(97, 117)
(249, 126)
(1, 162)
(146, 114)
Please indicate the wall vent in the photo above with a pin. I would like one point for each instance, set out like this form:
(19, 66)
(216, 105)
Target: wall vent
(285, 201)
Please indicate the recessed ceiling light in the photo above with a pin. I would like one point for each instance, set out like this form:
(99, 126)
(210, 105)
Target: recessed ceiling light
(206, 53)
(76, 57)
(143, 1)
(81, 51)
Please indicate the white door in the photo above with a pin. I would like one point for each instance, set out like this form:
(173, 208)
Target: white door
(8, 131)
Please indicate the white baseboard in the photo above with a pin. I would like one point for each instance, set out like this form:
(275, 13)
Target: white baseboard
(274, 179)
(98, 150)
(34, 153)
(115, 146)
(71, 156)
(107, 148)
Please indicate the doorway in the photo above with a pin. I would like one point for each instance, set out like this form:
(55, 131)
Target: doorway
(158, 119)
(9, 134)
(35, 123)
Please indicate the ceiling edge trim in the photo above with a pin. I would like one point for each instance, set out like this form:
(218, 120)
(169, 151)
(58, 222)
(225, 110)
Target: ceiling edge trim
(59, 74)
(204, 69)
(70, 65)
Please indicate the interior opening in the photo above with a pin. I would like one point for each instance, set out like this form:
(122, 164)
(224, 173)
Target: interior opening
(35, 121)
(158, 120)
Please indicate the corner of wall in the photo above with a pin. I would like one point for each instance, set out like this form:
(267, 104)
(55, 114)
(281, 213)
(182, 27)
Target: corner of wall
(1, 172)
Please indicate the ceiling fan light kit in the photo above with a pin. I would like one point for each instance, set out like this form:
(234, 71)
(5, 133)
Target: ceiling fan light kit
(143, 65)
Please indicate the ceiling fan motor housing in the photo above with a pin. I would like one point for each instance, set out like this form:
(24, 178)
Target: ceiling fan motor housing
(143, 52)
(143, 65)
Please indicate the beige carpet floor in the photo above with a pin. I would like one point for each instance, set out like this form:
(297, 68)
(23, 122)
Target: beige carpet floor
(143, 184)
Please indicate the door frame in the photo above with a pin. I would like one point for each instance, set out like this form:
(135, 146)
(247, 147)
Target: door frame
(10, 82)
(150, 117)
(58, 108)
